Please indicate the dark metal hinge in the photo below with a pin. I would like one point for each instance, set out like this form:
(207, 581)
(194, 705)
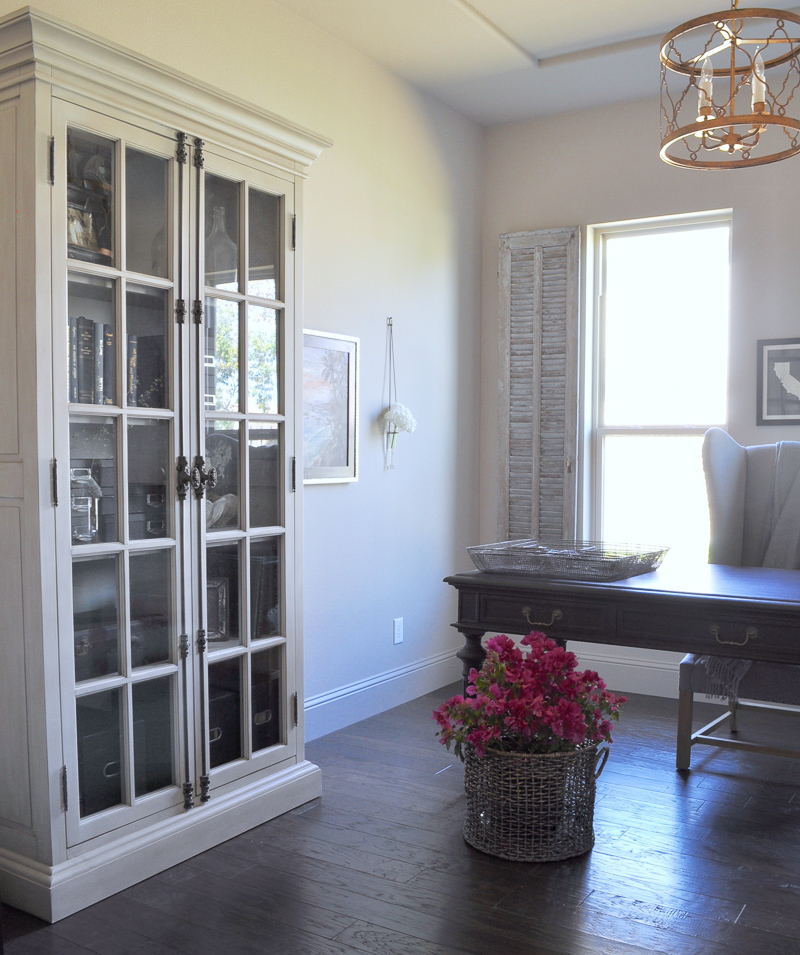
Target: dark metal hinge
(180, 153)
(64, 789)
(205, 786)
(294, 475)
(294, 232)
(295, 709)
(197, 311)
(51, 172)
(199, 160)
(180, 311)
(54, 472)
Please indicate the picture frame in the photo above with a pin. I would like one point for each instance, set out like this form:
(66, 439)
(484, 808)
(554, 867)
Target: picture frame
(330, 408)
(778, 389)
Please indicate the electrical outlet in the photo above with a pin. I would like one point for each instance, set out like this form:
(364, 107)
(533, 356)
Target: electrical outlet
(397, 630)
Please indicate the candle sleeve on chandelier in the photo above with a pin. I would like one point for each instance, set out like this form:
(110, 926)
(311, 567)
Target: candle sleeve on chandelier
(758, 85)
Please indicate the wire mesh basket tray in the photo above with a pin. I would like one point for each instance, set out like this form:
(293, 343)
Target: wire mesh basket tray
(567, 560)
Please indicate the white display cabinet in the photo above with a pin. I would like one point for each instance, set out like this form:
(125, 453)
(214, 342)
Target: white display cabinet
(150, 634)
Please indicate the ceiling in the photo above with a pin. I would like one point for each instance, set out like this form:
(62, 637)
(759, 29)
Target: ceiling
(504, 61)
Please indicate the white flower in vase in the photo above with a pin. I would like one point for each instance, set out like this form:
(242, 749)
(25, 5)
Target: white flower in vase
(397, 418)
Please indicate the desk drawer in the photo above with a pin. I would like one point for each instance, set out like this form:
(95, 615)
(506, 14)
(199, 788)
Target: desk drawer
(555, 617)
(724, 634)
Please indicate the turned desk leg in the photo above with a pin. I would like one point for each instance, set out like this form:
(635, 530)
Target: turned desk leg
(471, 654)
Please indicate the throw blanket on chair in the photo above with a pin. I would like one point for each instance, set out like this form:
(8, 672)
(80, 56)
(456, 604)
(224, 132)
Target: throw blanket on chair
(783, 551)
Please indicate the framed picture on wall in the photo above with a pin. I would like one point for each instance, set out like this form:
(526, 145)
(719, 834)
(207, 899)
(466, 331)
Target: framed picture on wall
(778, 381)
(330, 407)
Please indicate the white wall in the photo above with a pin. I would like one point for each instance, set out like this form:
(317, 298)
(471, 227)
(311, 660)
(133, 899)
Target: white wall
(602, 165)
(392, 228)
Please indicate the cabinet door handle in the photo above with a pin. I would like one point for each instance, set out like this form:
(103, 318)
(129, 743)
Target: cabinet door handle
(750, 634)
(526, 613)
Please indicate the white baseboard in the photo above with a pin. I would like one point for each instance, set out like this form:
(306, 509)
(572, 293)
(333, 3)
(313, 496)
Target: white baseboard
(348, 704)
(624, 670)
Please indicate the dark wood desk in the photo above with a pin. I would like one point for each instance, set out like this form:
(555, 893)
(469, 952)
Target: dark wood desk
(750, 612)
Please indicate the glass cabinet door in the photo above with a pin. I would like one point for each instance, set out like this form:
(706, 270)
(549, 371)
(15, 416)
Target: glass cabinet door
(246, 347)
(119, 235)
(175, 620)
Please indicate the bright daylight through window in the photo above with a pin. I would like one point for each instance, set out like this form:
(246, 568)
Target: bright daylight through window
(661, 376)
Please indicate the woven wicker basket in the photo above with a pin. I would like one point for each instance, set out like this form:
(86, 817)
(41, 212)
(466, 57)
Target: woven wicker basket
(532, 807)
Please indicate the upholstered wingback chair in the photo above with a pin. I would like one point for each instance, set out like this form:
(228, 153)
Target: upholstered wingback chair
(754, 507)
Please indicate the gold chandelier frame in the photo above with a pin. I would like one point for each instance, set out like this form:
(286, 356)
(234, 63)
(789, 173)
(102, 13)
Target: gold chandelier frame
(704, 122)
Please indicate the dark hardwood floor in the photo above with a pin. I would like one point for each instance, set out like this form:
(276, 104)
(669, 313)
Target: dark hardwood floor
(703, 863)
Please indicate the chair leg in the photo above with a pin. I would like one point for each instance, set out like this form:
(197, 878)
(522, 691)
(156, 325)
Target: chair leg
(732, 709)
(683, 754)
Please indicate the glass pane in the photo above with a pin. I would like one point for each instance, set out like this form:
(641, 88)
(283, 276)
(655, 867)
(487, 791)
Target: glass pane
(100, 749)
(147, 313)
(222, 453)
(262, 360)
(95, 614)
(222, 233)
(654, 493)
(265, 695)
(263, 278)
(222, 595)
(151, 607)
(93, 479)
(148, 466)
(92, 335)
(665, 356)
(146, 212)
(225, 712)
(222, 355)
(152, 735)
(265, 475)
(265, 592)
(90, 197)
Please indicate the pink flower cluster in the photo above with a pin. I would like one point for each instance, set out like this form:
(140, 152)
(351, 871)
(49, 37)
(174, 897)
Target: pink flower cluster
(528, 701)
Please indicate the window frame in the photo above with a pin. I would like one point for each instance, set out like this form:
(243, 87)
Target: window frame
(594, 372)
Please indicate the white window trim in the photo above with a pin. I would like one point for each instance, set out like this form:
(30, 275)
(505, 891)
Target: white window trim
(592, 471)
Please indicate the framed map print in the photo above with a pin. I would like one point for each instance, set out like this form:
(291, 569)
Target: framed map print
(778, 381)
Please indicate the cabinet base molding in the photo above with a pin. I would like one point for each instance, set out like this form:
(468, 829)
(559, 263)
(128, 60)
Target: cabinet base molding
(54, 892)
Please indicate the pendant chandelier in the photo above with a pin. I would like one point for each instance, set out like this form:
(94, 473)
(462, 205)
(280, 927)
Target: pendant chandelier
(727, 80)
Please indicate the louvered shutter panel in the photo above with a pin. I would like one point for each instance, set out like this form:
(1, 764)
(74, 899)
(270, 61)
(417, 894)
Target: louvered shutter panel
(539, 326)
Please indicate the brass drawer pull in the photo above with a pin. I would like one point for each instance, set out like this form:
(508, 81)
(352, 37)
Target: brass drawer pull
(750, 634)
(557, 615)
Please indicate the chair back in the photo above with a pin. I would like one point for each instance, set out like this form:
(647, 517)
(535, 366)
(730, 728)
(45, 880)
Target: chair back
(740, 483)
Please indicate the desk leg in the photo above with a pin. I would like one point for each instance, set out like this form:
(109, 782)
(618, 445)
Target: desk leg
(471, 654)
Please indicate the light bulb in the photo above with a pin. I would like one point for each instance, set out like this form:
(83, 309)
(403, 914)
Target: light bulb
(705, 108)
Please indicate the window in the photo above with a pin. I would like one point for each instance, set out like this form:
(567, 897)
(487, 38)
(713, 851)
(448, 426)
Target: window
(661, 359)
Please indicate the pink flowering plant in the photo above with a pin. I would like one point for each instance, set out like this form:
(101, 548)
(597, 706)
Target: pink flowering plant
(528, 700)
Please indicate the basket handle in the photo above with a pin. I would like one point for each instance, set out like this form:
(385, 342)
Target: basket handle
(600, 761)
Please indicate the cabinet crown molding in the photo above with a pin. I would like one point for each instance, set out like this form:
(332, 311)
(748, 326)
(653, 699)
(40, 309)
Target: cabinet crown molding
(35, 45)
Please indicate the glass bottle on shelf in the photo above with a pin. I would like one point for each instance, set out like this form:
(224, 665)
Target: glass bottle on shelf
(221, 254)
